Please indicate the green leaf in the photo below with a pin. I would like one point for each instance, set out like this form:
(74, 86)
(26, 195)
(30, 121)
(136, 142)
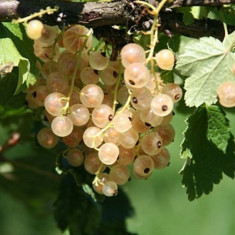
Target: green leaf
(17, 51)
(200, 12)
(188, 18)
(208, 162)
(87, 189)
(219, 131)
(208, 63)
(10, 55)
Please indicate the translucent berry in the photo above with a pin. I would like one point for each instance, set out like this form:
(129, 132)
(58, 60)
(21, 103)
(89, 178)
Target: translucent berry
(121, 122)
(108, 153)
(162, 159)
(92, 138)
(79, 114)
(98, 60)
(110, 189)
(226, 94)
(165, 59)
(132, 53)
(162, 105)
(54, 103)
(34, 29)
(46, 138)
(75, 157)
(136, 75)
(74, 38)
(102, 115)
(92, 163)
(152, 143)
(62, 126)
(174, 91)
(143, 166)
(120, 174)
(91, 96)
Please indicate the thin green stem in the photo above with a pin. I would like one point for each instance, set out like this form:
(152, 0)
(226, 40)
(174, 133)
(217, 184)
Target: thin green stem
(115, 92)
(97, 179)
(224, 24)
(78, 62)
(31, 168)
(127, 103)
(39, 14)
(147, 5)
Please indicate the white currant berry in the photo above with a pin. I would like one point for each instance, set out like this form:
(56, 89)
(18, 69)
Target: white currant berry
(34, 29)
(132, 53)
(226, 94)
(162, 105)
(165, 59)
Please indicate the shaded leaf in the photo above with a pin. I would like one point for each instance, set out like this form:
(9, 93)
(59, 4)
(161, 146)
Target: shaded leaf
(115, 211)
(167, 76)
(219, 131)
(8, 84)
(208, 162)
(75, 210)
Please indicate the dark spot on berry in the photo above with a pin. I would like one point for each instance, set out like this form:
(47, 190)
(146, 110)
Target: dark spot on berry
(96, 71)
(146, 170)
(130, 118)
(177, 96)
(103, 54)
(110, 117)
(132, 82)
(115, 193)
(115, 74)
(164, 107)
(34, 94)
(159, 144)
(134, 100)
(147, 124)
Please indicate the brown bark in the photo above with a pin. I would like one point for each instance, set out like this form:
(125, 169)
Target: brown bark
(124, 12)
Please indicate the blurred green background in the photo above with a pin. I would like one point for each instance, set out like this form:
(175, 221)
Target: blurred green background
(160, 203)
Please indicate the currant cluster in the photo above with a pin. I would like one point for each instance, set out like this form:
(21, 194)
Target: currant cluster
(110, 114)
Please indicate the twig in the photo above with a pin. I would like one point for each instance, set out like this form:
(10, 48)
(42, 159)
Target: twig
(13, 140)
(30, 168)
